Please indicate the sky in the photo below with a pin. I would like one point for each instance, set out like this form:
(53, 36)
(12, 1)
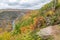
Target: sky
(23, 4)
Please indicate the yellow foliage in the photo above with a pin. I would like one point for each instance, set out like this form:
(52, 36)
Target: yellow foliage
(5, 36)
(58, 1)
(1, 30)
(35, 19)
(50, 12)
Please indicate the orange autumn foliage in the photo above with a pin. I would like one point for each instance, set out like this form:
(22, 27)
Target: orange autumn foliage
(27, 15)
(41, 18)
(38, 21)
(32, 27)
(23, 29)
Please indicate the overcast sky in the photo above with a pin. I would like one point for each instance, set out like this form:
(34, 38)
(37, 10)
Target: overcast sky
(22, 4)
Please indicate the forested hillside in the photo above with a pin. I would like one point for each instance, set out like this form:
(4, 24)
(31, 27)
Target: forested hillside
(28, 27)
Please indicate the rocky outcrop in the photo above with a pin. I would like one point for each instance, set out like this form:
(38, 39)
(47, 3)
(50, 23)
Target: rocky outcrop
(53, 31)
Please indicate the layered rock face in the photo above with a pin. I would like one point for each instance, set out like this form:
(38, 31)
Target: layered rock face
(7, 18)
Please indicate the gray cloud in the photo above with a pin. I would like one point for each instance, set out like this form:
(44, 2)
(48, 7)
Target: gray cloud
(5, 4)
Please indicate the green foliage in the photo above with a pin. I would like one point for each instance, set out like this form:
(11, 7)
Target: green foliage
(47, 6)
(53, 20)
(26, 22)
